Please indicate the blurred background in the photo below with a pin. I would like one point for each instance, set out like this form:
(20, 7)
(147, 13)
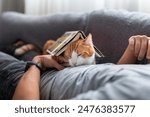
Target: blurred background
(49, 7)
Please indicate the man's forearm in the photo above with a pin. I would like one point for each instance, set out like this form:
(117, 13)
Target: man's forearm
(128, 57)
(28, 86)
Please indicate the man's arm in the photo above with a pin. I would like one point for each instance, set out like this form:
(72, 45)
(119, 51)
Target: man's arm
(128, 57)
(28, 86)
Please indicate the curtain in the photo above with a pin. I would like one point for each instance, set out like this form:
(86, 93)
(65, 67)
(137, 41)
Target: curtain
(45, 7)
(0, 6)
(12, 5)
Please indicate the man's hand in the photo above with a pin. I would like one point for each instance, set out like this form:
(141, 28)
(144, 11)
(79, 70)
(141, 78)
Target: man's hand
(140, 45)
(47, 61)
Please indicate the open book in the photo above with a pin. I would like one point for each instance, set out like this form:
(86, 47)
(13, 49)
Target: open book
(67, 38)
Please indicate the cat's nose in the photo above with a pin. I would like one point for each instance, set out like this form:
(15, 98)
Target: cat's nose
(73, 64)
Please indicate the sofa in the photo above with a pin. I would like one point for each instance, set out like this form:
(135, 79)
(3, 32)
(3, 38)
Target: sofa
(111, 30)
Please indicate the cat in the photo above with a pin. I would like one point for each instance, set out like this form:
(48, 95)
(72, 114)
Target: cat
(79, 52)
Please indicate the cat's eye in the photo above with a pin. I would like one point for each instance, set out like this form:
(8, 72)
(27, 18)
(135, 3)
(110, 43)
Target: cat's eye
(79, 54)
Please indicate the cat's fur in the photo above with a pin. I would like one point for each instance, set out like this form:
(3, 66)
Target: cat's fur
(80, 52)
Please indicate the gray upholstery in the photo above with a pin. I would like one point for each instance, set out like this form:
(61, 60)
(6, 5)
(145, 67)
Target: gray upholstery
(110, 29)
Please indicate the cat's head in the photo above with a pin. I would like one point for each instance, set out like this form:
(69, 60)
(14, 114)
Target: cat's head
(80, 52)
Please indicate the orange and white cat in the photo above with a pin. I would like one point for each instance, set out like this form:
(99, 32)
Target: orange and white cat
(80, 52)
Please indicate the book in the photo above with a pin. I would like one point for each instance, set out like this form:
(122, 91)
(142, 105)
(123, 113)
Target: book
(67, 38)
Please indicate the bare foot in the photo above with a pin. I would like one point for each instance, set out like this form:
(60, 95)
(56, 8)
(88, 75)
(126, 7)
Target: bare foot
(24, 48)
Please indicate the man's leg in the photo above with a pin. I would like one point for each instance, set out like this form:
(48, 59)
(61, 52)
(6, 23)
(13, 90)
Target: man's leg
(21, 50)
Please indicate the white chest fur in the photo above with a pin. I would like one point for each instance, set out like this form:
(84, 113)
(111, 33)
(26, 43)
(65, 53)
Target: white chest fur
(77, 60)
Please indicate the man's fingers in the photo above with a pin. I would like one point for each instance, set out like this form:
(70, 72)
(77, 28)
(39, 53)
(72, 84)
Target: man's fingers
(49, 61)
(58, 66)
(131, 43)
(137, 46)
(143, 48)
(148, 51)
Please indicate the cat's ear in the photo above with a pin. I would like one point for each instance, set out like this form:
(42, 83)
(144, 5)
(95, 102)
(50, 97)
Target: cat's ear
(89, 40)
